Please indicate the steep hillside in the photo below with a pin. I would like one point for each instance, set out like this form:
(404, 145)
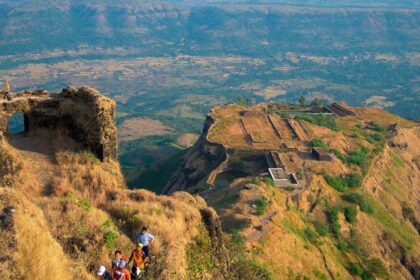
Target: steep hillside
(82, 212)
(63, 212)
(167, 63)
(354, 214)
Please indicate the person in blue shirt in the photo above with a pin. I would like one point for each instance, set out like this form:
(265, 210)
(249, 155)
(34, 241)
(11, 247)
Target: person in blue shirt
(146, 239)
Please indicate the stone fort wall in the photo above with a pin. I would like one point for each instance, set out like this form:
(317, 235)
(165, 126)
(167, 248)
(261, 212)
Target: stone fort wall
(84, 114)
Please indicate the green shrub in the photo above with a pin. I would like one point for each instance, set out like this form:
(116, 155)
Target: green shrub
(379, 146)
(374, 138)
(320, 276)
(368, 276)
(321, 228)
(256, 181)
(354, 180)
(337, 183)
(262, 205)
(237, 238)
(333, 214)
(377, 127)
(321, 120)
(110, 239)
(269, 182)
(356, 269)
(340, 156)
(358, 199)
(342, 182)
(69, 196)
(81, 202)
(318, 143)
(350, 212)
(310, 234)
(342, 246)
(359, 157)
(246, 102)
(84, 204)
(377, 268)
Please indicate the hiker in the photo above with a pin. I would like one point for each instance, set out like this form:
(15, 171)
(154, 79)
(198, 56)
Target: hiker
(118, 258)
(102, 274)
(120, 272)
(139, 260)
(144, 238)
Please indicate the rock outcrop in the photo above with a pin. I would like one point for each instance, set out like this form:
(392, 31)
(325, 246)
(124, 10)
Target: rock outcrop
(84, 114)
(202, 158)
(214, 227)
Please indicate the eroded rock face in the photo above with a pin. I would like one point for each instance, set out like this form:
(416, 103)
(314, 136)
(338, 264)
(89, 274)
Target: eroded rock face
(7, 235)
(214, 227)
(199, 161)
(84, 114)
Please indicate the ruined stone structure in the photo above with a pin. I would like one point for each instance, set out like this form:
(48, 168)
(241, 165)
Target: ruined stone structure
(84, 114)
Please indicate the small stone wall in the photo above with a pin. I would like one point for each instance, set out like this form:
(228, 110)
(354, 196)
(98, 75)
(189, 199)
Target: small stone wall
(84, 114)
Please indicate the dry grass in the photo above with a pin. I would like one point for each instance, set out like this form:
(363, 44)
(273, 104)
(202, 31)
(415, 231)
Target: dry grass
(172, 220)
(83, 201)
(228, 131)
(37, 254)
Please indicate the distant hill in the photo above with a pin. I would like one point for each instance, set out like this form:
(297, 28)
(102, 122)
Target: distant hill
(171, 61)
(166, 29)
(327, 3)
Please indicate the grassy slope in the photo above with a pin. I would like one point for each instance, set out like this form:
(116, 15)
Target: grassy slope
(84, 213)
(290, 246)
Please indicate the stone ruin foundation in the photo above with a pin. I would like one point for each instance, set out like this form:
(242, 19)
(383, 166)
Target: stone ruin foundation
(83, 114)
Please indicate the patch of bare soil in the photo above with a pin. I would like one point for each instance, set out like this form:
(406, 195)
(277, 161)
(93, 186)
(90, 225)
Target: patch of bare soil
(38, 153)
(187, 139)
(136, 128)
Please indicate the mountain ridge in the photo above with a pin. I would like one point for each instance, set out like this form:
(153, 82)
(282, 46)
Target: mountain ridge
(315, 218)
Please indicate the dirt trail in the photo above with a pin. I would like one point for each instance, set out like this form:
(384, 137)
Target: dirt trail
(262, 228)
(38, 155)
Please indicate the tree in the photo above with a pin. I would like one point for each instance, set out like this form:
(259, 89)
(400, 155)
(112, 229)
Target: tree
(246, 102)
(302, 100)
(316, 102)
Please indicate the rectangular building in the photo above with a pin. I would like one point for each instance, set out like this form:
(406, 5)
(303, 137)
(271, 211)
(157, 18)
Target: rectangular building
(320, 154)
(283, 179)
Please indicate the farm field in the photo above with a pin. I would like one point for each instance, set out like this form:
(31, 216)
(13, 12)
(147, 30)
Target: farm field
(170, 63)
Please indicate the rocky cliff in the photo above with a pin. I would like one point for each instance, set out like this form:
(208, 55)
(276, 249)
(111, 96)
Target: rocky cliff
(355, 216)
(63, 212)
(198, 163)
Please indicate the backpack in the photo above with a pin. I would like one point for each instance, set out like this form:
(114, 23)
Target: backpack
(136, 273)
(120, 274)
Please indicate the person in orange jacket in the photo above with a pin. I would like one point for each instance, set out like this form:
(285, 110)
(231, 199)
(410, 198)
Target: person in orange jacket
(138, 257)
(139, 260)
(120, 272)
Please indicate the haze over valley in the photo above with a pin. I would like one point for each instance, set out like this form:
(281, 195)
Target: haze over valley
(167, 63)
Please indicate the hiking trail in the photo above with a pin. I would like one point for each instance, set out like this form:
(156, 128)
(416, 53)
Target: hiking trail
(38, 154)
